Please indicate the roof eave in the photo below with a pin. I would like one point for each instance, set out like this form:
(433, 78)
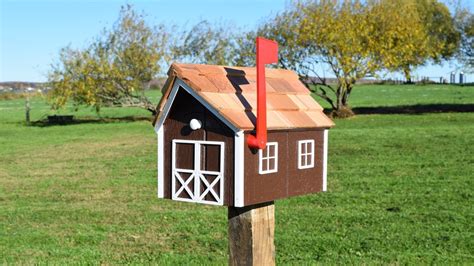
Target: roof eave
(167, 101)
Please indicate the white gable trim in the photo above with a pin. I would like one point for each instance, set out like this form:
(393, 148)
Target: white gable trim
(325, 160)
(239, 145)
(179, 84)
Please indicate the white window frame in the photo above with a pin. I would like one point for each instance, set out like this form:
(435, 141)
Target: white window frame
(303, 164)
(267, 158)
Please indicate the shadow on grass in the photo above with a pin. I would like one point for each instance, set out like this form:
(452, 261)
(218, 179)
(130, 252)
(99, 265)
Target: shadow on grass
(91, 120)
(415, 109)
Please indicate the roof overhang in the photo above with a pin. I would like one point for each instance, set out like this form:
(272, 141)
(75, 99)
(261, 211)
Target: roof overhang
(181, 85)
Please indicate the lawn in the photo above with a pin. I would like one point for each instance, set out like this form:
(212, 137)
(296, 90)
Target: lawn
(400, 190)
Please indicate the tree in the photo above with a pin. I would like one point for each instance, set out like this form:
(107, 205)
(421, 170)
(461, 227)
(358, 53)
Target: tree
(465, 24)
(442, 37)
(207, 43)
(353, 39)
(115, 69)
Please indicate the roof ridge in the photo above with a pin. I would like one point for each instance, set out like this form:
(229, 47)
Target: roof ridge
(234, 70)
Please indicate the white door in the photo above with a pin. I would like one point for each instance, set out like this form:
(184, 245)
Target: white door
(198, 171)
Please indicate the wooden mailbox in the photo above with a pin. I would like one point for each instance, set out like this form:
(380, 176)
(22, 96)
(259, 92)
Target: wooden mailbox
(205, 116)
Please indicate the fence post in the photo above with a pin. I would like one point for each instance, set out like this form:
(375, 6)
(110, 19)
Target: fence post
(27, 110)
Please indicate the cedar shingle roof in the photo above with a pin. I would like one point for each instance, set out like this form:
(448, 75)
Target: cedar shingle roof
(232, 91)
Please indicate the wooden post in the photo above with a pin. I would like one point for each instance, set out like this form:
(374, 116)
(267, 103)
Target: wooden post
(27, 110)
(251, 234)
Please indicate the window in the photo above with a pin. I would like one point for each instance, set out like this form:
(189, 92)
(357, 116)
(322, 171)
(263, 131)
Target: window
(268, 159)
(305, 154)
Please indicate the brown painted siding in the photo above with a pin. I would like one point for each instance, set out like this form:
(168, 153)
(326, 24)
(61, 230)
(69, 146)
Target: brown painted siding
(176, 126)
(289, 180)
(303, 181)
(266, 187)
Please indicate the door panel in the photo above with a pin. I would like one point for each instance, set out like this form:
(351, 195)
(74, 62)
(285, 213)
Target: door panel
(198, 172)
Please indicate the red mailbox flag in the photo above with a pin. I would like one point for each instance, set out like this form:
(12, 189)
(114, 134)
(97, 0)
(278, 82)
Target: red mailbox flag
(267, 53)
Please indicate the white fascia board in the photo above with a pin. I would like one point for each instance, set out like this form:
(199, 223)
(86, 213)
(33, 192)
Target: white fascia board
(174, 91)
(167, 107)
(325, 160)
(239, 188)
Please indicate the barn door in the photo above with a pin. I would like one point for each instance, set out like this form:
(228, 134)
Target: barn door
(198, 171)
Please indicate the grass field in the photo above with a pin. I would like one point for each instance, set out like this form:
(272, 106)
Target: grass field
(400, 191)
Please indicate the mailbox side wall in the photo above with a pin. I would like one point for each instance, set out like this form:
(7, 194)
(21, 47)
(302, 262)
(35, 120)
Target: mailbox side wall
(176, 126)
(289, 180)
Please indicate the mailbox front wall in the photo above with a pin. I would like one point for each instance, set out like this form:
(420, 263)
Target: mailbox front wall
(176, 126)
(288, 180)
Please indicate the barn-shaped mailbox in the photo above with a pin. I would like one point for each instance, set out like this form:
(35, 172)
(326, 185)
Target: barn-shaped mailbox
(204, 119)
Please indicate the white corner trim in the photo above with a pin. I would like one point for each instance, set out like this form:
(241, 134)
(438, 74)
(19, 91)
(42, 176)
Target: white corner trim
(181, 84)
(267, 158)
(239, 145)
(325, 160)
(161, 158)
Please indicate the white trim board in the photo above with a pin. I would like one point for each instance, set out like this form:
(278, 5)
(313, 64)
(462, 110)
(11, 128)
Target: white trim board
(239, 149)
(179, 84)
(161, 162)
(325, 160)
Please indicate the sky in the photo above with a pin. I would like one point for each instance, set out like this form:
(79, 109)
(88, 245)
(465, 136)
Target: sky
(32, 32)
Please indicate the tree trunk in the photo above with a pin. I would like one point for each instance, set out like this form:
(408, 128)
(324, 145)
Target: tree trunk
(343, 110)
(345, 96)
(407, 74)
(339, 93)
(152, 110)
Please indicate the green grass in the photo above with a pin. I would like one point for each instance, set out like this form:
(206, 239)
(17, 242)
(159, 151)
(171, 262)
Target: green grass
(400, 191)
(397, 95)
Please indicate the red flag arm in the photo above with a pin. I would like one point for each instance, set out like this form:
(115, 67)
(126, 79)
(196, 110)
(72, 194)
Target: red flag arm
(267, 53)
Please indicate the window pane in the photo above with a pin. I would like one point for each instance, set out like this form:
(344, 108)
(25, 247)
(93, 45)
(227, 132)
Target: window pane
(271, 165)
(210, 155)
